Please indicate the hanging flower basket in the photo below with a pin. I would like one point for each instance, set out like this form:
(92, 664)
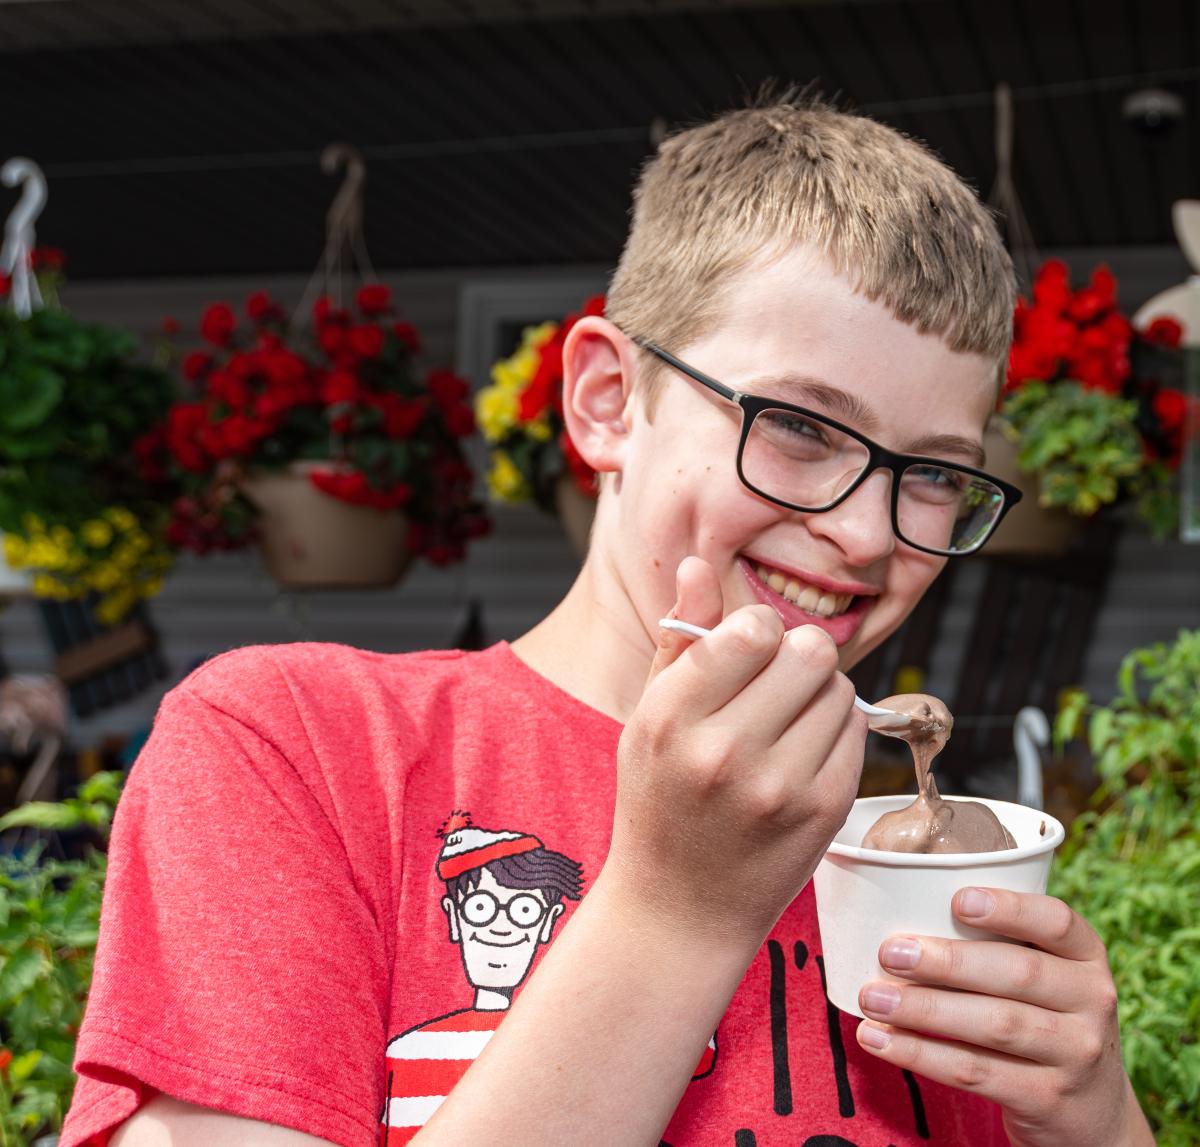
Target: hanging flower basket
(309, 539)
(1029, 530)
(326, 448)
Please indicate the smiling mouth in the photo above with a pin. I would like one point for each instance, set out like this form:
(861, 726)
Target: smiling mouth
(809, 598)
(493, 944)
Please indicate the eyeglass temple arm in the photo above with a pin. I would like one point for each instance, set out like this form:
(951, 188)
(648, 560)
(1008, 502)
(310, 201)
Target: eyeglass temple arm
(726, 392)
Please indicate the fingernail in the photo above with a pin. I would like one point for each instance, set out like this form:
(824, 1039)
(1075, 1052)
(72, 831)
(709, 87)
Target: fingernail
(882, 999)
(873, 1036)
(900, 954)
(975, 902)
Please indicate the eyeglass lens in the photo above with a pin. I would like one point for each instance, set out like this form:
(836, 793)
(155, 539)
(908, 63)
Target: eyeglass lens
(809, 464)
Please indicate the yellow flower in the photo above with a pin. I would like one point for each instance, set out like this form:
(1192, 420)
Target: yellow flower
(496, 412)
(96, 533)
(62, 537)
(539, 429)
(505, 479)
(120, 517)
(15, 549)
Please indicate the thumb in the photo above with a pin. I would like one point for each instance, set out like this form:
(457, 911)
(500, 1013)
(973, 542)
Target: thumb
(698, 599)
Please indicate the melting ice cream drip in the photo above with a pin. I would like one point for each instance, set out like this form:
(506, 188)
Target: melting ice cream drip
(931, 824)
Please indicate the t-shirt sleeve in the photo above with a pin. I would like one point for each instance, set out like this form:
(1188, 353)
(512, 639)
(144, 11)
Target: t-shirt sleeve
(238, 967)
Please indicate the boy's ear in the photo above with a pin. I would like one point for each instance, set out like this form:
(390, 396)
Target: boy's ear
(598, 366)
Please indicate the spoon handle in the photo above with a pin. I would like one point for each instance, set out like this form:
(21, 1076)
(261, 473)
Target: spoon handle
(890, 715)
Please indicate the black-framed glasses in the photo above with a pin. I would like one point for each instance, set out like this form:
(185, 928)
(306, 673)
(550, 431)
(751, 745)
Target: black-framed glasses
(524, 910)
(806, 461)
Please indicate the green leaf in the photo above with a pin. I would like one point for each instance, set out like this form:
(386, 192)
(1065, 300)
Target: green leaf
(43, 814)
(20, 972)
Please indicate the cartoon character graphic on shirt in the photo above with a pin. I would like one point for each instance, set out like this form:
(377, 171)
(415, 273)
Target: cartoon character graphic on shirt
(504, 893)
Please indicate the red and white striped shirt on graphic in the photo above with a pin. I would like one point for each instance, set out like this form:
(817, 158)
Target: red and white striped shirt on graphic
(425, 1062)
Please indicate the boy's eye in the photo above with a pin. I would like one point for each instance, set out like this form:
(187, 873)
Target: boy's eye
(935, 482)
(784, 422)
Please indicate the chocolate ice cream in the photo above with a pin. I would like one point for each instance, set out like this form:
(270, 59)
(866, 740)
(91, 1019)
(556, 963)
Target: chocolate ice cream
(931, 824)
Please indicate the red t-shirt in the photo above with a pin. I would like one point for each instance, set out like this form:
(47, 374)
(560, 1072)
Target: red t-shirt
(282, 917)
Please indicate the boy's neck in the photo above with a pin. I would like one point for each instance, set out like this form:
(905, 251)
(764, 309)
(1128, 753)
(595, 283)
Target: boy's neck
(593, 644)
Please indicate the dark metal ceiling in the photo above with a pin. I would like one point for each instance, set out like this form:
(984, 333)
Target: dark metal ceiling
(183, 137)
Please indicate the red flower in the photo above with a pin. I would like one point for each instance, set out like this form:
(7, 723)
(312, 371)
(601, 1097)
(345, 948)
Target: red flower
(401, 417)
(407, 334)
(331, 338)
(196, 365)
(366, 340)
(5, 285)
(259, 307)
(446, 388)
(341, 424)
(6, 1057)
(218, 324)
(1051, 286)
(47, 259)
(374, 299)
(170, 326)
(460, 421)
(1170, 408)
(1164, 331)
(340, 386)
(185, 423)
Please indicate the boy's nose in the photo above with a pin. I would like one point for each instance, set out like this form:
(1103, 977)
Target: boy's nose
(861, 527)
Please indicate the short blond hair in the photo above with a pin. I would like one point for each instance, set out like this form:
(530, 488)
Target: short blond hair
(887, 212)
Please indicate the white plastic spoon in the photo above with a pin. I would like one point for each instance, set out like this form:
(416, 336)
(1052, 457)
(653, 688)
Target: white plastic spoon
(878, 717)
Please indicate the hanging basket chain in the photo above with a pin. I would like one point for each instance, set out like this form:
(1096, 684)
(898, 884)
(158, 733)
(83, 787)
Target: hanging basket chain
(1003, 196)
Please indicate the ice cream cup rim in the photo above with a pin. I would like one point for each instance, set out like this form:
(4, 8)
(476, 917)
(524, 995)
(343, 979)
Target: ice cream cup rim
(1055, 834)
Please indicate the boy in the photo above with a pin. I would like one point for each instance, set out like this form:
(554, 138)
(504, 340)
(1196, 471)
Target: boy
(798, 285)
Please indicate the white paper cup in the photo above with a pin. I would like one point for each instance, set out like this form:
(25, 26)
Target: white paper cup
(865, 895)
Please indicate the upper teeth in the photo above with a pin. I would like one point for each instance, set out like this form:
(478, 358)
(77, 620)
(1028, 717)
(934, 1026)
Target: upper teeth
(808, 597)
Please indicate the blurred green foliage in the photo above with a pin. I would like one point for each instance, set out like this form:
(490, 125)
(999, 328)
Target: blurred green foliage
(1131, 866)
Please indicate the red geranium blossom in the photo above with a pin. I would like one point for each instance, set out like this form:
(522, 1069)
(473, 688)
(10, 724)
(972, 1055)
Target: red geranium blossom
(218, 324)
(374, 299)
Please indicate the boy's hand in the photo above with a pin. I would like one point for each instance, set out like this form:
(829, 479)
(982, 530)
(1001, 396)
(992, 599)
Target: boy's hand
(735, 770)
(1032, 1028)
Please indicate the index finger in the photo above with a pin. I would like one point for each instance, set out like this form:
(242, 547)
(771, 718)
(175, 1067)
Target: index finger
(1044, 921)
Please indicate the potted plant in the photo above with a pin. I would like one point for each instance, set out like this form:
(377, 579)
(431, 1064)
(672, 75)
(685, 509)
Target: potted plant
(1086, 417)
(47, 948)
(327, 447)
(521, 416)
(75, 510)
(1131, 866)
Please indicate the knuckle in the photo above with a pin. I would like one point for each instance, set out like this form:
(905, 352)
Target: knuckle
(1106, 1000)
(816, 648)
(1090, 1049)
(971, 1071)
(1060, 920)
(1006, 1028)
(769, 800)
(752, 633)
(951, 960)
(1025, 969)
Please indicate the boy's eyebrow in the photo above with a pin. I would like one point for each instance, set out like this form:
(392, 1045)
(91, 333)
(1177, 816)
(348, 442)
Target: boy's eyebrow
(847, 407)
(802, 388)
(939, 445)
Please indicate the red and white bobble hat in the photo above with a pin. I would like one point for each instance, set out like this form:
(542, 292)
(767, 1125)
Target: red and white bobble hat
(466, 847)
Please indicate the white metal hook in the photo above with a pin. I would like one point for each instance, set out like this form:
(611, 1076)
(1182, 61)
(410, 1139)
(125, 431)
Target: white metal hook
(1031, 732)
(20, 234)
